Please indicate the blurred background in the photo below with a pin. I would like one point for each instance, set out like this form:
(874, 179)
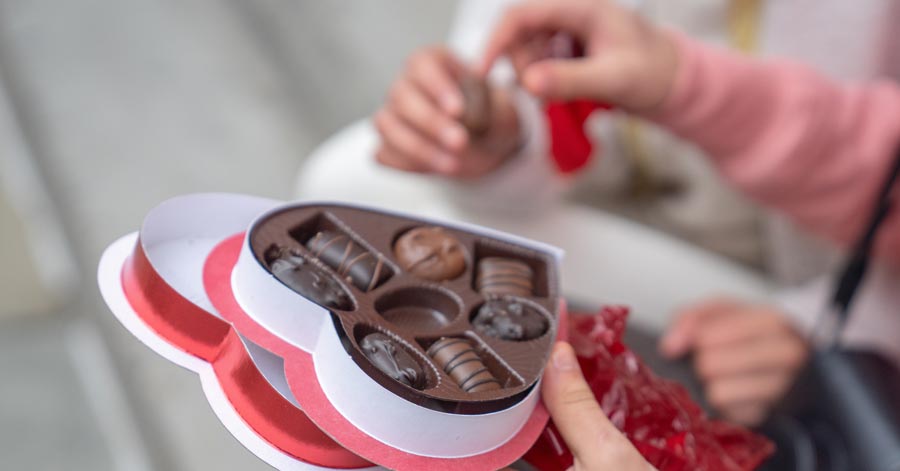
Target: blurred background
(106, 109)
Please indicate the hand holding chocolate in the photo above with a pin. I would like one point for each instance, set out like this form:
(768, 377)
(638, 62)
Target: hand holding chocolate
(421, 346)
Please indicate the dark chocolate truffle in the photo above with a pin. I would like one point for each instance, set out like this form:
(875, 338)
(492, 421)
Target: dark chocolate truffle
(459, 360)
(499, 276)
(308, 280)
(477, 101)
(359, 266)
(393, 360)
(509, 319)
(431, 253)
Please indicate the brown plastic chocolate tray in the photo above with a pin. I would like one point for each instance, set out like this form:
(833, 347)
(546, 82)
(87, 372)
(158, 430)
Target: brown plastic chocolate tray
(414, 312)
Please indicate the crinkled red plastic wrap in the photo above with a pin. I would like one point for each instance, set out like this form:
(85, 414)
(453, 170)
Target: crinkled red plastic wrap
(657, 415)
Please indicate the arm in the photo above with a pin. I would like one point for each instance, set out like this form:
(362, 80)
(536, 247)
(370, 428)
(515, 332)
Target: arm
(790, 138)
(781, 133)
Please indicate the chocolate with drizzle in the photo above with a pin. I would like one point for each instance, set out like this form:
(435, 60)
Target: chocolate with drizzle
(350, 260)
(308, 280)
(393, 360)
(459, 359)
(509, 319)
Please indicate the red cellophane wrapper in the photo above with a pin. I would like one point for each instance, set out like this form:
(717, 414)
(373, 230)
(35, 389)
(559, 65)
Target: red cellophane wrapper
(669, 429)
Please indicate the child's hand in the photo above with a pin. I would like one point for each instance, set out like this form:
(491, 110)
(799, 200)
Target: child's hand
(594, 441)
(420, 122)
(628, 62)
(747, 356)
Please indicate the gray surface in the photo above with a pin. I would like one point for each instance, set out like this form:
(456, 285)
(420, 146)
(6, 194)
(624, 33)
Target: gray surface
(42, 403)
(126, 103)
(21, 288)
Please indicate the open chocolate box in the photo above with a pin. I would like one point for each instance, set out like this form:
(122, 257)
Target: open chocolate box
(333, 336)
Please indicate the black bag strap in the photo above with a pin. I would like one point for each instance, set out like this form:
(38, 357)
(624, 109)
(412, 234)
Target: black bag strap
(854, 269)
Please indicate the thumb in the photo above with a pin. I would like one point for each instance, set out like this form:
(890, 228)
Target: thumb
(564, 79)
(594, 440)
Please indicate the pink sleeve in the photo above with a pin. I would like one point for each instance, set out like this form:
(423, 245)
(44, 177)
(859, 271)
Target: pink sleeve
(791, 139)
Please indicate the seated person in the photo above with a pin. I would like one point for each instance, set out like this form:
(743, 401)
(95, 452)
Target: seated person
(746, 354)
(812, 148)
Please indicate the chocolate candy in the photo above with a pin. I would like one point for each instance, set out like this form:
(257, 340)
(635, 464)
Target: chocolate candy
(359, 266)
(431, 253)
(459, 360)
(433, 283)
(504, 276)
(477, 99)
(308, 280)
(392, 359)
(509, 319)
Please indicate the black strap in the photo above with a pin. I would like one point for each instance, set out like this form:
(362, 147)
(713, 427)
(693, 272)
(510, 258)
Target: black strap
(856, 265)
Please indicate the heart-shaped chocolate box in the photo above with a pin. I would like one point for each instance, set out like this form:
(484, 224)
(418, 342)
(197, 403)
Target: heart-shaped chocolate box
(470, 339)
(332, 336)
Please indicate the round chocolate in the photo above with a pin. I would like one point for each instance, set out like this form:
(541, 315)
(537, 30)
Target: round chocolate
(431, 253)
(510, 319)
(393, 359)
(308, 280)
(458, 358)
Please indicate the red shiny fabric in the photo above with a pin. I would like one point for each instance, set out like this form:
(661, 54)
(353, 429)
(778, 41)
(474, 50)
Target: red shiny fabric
(657, 415)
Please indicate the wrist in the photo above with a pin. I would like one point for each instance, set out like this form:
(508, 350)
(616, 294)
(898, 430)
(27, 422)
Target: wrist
(663, 68)
(667, 63)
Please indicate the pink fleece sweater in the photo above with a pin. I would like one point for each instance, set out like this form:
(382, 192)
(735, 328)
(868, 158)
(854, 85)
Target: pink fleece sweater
(788, 137)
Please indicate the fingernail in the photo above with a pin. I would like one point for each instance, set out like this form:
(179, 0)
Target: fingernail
(563, 358)
(453, 136)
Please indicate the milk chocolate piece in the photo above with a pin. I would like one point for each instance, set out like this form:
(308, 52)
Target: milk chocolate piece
(459, 360)
(393, 360)
(356, 264)
(504, 276)
(306, 279)
(509, 319)
(431, 253)
(477, 101)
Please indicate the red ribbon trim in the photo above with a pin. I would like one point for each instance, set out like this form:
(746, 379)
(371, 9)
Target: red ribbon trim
(172, 316)
(200, 333)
